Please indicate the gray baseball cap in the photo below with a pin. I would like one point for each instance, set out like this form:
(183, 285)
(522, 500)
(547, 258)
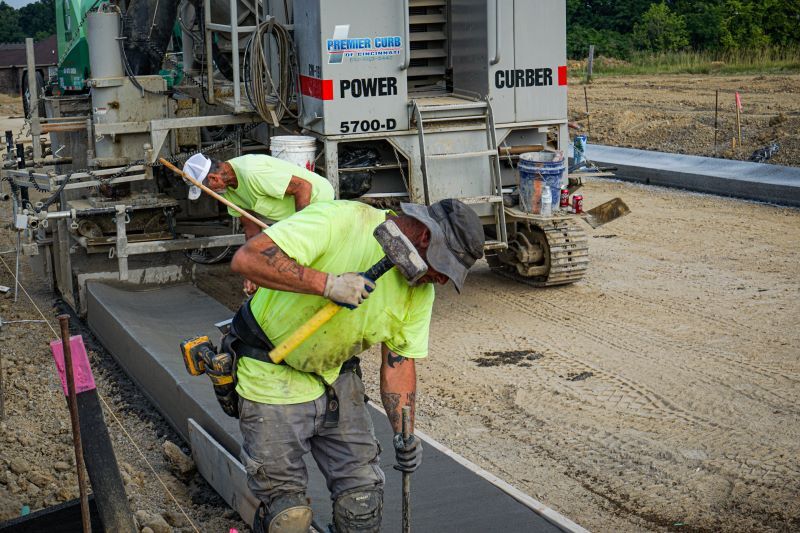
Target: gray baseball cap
(456, 237)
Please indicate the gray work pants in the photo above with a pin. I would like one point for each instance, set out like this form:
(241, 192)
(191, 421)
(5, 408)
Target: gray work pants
(276, 437)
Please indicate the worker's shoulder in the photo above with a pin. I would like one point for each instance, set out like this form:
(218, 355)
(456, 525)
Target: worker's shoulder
(356, 211)
(252, 160)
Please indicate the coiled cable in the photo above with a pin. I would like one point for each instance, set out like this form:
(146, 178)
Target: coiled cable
(272, 100)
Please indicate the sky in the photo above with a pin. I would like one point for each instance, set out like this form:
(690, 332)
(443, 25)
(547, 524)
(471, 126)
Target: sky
(18, 3)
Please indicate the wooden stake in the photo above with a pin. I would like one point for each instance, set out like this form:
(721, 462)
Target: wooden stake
(716, 113)
(588, 120)
(739, 125)
(590, 64)
(72, 403)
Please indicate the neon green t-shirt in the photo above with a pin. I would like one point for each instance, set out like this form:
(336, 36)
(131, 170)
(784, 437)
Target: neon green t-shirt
(262, 182)
(334, 237)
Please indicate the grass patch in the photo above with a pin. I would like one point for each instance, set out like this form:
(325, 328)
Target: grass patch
(770, 60)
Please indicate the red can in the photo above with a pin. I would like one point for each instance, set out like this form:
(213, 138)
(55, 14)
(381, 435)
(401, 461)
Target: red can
(564, 198)
(577, 204)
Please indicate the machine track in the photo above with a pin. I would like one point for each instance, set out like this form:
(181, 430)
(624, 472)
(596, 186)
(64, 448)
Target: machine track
(565, 252)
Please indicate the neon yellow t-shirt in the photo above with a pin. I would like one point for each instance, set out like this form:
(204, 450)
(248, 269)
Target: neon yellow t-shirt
(334, 237)
(262, 182)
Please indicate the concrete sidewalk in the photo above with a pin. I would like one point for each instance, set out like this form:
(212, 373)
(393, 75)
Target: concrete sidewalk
(742, 179)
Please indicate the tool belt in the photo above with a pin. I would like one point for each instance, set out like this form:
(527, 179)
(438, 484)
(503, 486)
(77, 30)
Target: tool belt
(247, 339)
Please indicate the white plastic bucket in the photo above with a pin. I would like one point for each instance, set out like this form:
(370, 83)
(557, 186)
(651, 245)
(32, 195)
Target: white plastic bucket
(298, 149)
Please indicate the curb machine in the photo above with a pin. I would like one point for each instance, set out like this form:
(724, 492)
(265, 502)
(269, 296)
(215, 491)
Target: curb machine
(412, 100)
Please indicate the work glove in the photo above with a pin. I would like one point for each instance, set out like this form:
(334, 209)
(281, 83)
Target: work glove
(348, 289)
(407, 452)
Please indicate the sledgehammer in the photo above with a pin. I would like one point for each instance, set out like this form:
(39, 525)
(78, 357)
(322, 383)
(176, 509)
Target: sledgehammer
(400, 253)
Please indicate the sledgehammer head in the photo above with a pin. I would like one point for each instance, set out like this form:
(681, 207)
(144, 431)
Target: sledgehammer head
(400, 252)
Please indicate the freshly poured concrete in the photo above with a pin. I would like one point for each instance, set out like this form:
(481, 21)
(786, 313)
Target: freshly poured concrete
(743, 179)
(143, 329)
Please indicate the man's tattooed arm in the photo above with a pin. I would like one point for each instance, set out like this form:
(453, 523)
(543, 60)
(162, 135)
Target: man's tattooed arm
(394, 359)
(398, 387)
(261, 261)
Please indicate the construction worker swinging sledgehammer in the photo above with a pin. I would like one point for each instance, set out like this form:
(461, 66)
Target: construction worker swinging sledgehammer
(313, 401)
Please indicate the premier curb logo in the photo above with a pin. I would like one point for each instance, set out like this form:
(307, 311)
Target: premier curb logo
(336, 54)
(360, 48)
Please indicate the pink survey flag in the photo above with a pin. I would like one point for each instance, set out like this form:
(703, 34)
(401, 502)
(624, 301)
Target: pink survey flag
(84, 381)
(738, 101)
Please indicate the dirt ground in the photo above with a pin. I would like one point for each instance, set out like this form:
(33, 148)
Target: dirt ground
(659, 393)
(676, 113)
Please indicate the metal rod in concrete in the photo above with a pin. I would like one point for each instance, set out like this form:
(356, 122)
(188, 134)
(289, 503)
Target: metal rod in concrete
(406, 475)
(72, 403)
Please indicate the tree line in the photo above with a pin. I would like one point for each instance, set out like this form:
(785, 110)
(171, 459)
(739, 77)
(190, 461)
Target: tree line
(618, 28)
(37, 20)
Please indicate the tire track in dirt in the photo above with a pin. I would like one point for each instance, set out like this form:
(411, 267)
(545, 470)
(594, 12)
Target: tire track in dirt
(698, 373)
(609, 448)
(702, 371)
(642, 400)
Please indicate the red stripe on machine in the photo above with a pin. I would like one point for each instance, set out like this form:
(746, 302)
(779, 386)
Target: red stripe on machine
(562, 75)
(316, 88)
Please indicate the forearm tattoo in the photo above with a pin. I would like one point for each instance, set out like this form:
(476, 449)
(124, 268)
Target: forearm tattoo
(394, 359)
(391, 402)
(394, 411)
(282, 263)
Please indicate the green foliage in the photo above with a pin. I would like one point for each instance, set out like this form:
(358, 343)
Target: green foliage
(768, 60)
(623, 28)
(37, 20)
(10, 31)
(606, 42)
(660, 30)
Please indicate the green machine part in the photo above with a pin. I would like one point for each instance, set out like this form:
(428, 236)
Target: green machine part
(73, 50)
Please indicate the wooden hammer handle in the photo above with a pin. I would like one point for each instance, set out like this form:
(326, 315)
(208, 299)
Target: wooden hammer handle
(294, 340)
(208, 191)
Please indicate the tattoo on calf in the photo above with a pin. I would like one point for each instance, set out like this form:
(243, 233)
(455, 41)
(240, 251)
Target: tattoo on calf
(282, 262)
(394, 359)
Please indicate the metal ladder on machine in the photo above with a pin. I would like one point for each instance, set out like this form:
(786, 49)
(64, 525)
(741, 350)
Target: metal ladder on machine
(468, 111)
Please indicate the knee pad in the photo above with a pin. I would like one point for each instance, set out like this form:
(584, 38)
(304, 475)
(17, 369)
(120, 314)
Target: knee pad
(358, 510)
(287, 514)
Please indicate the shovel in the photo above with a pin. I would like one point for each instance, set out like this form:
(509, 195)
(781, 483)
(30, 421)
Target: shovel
(605, 213)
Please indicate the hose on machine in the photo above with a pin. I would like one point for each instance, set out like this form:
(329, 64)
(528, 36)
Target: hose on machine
(272, 100)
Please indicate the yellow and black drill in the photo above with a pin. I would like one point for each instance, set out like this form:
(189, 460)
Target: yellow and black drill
(200, 357)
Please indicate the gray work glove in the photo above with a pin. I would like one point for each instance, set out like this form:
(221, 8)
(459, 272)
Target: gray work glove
(348, 289)
(407, 452)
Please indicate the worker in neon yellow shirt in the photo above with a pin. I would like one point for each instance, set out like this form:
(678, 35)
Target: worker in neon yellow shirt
(266, 186)
(261, 184)
(314, 400)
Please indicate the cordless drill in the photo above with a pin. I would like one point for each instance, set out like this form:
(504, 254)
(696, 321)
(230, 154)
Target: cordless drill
(200, 357)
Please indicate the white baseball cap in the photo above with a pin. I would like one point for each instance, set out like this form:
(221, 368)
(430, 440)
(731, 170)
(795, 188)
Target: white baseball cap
(196, 167)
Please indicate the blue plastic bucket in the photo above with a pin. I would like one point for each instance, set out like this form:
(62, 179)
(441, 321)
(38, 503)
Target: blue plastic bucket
(542, 166)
